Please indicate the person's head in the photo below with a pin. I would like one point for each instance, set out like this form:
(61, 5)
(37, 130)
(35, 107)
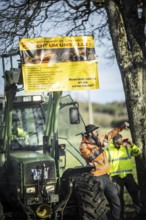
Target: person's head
(92, 131)
(118, 139)
(15, 121)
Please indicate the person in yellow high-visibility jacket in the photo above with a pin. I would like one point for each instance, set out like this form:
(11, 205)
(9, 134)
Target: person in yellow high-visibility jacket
(120, 154)
(18, 133)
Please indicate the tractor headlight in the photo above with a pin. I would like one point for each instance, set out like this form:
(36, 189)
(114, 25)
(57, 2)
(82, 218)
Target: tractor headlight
(30, 190)
(37, 98)
(27, 99)
(50, 188)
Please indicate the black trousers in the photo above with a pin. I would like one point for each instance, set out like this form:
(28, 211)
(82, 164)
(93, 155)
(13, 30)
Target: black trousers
(111, 194)
(131, 187)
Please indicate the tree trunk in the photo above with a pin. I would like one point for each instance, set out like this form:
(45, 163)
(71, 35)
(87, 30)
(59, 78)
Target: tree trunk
(128, 50)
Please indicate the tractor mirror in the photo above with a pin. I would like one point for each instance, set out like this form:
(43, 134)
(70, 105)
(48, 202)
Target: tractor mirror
(74, 115)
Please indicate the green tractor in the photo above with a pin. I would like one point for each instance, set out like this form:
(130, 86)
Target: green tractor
(37, 144)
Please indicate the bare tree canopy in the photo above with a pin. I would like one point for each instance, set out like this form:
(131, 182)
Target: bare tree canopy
(34, 18)
(124, 19)
(31, 18)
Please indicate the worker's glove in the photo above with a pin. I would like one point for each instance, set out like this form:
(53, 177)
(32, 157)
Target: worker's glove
(105, 143)
(92, 165)
(129, 144)
(125, 125)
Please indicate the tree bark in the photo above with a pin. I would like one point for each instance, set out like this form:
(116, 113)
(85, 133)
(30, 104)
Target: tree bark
(130, 58)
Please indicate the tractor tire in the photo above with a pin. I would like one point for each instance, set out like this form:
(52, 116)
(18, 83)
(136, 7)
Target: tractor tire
(86, 195)
(90, 199)
(2, 217)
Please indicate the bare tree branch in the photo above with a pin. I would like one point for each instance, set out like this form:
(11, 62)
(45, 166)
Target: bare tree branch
(32, 18)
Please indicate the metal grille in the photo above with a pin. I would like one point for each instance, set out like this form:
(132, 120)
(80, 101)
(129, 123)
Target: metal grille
(31, 167)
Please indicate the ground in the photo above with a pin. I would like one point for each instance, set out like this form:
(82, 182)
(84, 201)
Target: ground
(131, 215)
(129, 210)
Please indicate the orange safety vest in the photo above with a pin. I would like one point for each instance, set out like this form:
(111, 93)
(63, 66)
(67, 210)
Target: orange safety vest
(97, 155)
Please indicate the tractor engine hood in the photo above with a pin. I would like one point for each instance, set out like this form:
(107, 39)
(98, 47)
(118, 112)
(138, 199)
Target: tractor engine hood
(30, 167)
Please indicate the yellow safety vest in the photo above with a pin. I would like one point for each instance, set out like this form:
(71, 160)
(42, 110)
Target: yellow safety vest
(120, 159)
(20, 134)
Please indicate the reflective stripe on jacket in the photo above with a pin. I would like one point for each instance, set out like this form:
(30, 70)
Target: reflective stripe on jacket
(120, 159)
(97, 155)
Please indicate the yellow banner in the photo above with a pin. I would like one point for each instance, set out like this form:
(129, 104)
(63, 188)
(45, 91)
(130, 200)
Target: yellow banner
(59, 64)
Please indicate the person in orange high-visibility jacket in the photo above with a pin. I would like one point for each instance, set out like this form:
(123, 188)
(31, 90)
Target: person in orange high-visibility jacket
(120, 154)
(92, 149)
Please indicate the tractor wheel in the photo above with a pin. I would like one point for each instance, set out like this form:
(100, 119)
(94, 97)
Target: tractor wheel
(90, 199)
(2, 217)
(87, 198)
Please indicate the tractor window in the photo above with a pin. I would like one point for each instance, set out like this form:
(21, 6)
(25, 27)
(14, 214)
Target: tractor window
(70, 134)
(28, 125)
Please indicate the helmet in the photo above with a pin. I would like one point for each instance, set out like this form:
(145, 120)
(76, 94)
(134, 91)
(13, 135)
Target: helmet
(89, 128)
